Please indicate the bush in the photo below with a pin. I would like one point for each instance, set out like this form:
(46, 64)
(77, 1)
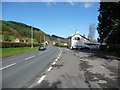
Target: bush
(57, 44)
(16, 44)
(111, 48)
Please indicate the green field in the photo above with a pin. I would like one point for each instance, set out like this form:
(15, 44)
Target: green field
(5, 52)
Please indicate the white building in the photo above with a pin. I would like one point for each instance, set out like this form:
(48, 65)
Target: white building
(77, 40)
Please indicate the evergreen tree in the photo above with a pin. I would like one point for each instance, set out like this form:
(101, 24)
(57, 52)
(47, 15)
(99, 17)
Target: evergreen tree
(109, 22)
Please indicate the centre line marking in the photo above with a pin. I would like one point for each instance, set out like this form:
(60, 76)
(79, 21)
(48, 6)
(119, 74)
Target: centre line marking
(30, 57)
(40, 80)
(56, 59)
(53, 63)
(49, 69)
(40, 53)
(7, 66)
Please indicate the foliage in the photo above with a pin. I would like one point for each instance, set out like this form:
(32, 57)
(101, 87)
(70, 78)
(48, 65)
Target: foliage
(39, 37)
(16, 44)
(21, 30)
(109, 23)
(16, 34)
(57, 44)
(6, 36)
(16, 28)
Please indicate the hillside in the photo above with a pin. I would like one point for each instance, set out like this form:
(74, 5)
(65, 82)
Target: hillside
(20, 30)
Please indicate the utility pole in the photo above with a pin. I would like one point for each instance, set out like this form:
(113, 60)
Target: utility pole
(40, 39)
(44, 38)
(31, 37)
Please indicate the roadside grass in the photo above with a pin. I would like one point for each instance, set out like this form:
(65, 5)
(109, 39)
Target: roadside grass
(5, 52)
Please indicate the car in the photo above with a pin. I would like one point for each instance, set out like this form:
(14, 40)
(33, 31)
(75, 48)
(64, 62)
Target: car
(42, 48)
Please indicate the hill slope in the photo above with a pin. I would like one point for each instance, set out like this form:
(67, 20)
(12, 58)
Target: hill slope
(21, 30)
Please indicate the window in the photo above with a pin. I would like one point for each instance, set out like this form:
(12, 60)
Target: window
(77, 38)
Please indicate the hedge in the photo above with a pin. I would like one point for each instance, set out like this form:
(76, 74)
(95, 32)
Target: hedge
(16, 44)
(111, 47)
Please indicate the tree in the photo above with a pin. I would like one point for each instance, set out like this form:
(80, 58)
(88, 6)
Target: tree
(39, 36)
(109, 22)
(6, 36)
(91, 34)
(16, 34)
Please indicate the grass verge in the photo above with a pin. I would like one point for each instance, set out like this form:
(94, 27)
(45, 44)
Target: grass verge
(5, 52)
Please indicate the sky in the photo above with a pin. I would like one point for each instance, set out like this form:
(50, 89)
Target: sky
(59, 18)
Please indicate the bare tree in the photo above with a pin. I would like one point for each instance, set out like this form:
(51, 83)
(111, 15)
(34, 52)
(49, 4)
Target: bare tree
(91, 34)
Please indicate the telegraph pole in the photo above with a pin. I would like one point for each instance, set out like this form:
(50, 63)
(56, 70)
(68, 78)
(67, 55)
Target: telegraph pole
(31, 37)
(44, 38)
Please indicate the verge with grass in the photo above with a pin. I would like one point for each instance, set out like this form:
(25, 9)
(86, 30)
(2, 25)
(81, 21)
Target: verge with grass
(14, 51)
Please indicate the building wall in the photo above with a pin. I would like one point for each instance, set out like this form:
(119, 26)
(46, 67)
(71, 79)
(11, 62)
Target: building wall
(75, 43)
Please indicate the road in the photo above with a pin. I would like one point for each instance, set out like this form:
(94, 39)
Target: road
(81, 69)
(18, 71)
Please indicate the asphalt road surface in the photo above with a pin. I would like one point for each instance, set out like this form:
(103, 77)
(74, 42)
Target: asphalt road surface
(81, 69)
(19, 70)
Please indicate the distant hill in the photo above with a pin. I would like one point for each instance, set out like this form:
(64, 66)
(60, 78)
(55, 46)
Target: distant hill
(23, 30)
(54, 37)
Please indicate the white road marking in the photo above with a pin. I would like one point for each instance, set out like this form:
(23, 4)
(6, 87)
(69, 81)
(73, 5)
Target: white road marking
(7, 66)
(56, 59)
(30, 57)
(40, 53)
(53, 63)
(41, 79)
(49, 69)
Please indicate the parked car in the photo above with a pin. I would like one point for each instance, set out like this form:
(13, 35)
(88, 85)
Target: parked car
(42, 48)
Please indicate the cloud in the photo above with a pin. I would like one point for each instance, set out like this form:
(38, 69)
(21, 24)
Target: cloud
(71, 3)
(87, 5)
(50, 2)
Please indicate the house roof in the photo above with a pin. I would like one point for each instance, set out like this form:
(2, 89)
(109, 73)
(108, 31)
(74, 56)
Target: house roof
(80, 35)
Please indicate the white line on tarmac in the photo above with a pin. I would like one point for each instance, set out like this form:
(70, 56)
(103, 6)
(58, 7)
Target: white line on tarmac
(53, 63)
(7, 66)
(41, 79)
(30, 57)
(40, 53)
(56, 59)
(49, 69)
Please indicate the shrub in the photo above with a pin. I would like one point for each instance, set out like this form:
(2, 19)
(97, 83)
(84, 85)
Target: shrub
(16, 44)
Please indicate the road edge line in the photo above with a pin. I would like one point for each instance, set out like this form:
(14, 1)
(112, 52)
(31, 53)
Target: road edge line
(41, 79)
